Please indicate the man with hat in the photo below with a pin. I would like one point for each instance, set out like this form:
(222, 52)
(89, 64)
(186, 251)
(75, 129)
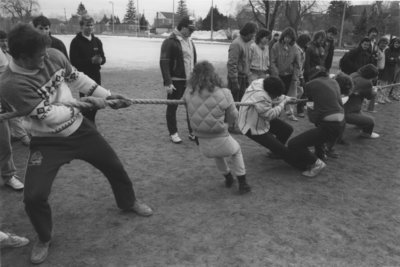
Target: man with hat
(178, 56)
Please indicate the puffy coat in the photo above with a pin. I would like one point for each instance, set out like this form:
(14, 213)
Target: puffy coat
(210, 112)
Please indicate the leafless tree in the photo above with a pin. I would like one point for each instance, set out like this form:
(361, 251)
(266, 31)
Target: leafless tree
(19, 10)
(266, 9)
(296, 10)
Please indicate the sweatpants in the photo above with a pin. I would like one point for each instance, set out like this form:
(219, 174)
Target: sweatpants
(48, 154)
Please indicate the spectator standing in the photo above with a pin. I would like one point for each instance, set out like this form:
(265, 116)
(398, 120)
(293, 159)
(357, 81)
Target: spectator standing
(382, 93)
(259, 56)
(275, 38)
(354, 59)
(43, 24)
(301, 43)
(329, 46)
(177, 59)
(87, 56)
(238, 60)
(285, 64)
(315, 54)
(15, 125)
(391, 72)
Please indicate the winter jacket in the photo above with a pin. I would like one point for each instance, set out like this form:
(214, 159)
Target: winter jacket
(257, 117)
(81, 52)
(285, 61)
(59, 45)
(392, 59)
(363, 88)
(210, 112)
(238, 59)
(259, 58)
(355, 59)
(315, 55)
(171, 59)
(329, 47)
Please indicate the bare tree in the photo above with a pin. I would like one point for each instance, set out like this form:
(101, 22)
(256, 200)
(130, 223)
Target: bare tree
(19, 10)
(265, 12)
(296, 10)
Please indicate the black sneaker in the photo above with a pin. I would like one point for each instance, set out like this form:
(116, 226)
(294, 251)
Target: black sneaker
(244, 188)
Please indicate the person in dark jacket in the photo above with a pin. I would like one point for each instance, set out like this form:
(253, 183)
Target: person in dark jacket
(43, 24)
(177, 59)
(329, 46)
(391, 71)
(87, 55)
(357, 57)
(363, 89)
(315, 53)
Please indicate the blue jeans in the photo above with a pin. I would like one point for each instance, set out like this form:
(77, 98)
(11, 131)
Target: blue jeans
(7, 166)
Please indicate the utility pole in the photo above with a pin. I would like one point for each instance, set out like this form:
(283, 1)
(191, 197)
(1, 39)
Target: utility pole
(112, 18)
(212, 19)
(342, 25)
(65, 15)
(173, 14)
(138, 16)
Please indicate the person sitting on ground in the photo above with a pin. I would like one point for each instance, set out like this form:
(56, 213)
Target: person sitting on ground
(260, 122)
(8, 240)
(211, 109)
(328, 117)
(363, 89)
(259, 56)
(37, 84)
(42, 24)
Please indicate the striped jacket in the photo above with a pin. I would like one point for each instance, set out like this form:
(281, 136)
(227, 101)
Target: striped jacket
(257, 117)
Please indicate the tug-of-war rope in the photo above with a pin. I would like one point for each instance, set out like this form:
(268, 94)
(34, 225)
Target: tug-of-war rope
(128, 102)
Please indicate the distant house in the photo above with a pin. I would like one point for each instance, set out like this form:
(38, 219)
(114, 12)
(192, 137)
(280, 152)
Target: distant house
(165, 21)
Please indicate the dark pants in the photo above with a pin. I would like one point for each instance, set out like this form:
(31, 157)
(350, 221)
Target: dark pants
(325, 132)
(48, 154)
(287, 81)
(243, 84)
(275, 140)
(91, 114)
(171, 109)
(366, 123)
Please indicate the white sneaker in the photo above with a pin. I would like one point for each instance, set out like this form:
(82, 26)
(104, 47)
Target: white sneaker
(13, 241)
(370, 136)
(175, 138)
(14, 183)
(315, 169)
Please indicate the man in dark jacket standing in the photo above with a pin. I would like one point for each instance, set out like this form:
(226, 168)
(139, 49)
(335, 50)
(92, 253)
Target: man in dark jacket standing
(86, 53)
(329, 47)
(177, 59)
(43, 24)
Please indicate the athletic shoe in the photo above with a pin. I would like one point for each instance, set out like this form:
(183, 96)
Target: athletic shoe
(175, 138)
(142, 209)
(244, 188)
(192, 137)
(14, 183)
(370, 136)
(40, 251)
(228, 180)
(13, 241)
(292, 117)
(318, 166)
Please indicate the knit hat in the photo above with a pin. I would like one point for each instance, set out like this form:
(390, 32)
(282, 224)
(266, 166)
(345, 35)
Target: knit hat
(368, 71)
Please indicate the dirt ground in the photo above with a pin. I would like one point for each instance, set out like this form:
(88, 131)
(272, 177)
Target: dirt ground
(347, 216)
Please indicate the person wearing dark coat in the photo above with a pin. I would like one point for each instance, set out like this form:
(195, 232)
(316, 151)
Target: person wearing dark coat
(87, 56)
(315, 54)
(353, 60)
(329, 47)
(43, 24)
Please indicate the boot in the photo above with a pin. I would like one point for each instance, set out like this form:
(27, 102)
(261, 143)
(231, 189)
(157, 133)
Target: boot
(228, 180)
(243, 186)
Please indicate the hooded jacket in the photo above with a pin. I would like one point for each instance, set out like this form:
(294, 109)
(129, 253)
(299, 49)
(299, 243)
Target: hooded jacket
(257, 117)
(171, 59)
(209, 112)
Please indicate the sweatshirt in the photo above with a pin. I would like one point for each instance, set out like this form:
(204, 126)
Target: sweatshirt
(257, 117)
(39, 94)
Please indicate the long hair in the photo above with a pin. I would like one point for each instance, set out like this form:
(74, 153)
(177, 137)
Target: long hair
(204, 77)
(288, 32)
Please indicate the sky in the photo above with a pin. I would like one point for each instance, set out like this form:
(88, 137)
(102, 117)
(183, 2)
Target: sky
(200, 8)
